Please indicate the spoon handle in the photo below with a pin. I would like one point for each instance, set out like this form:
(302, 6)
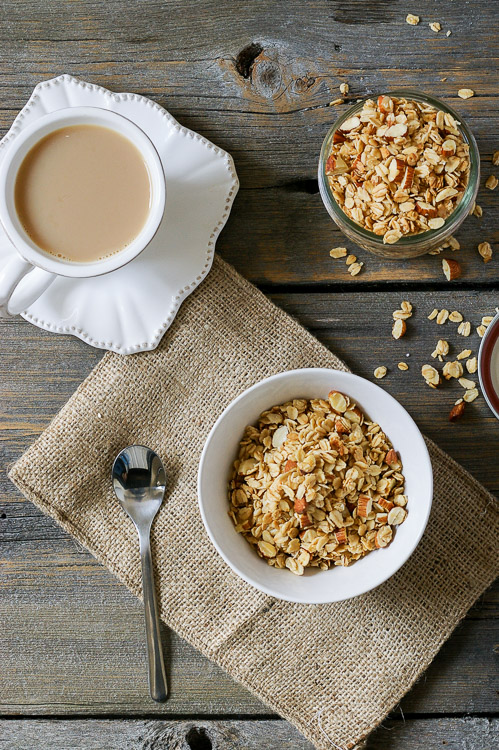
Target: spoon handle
(157, 675)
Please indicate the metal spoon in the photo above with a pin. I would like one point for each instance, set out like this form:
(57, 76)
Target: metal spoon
(139, 482)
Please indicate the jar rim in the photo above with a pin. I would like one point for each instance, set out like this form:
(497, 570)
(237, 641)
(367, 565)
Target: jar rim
(430, 235)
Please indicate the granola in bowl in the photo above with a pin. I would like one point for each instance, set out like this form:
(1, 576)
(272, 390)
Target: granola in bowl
(398, 173)
(316, 484)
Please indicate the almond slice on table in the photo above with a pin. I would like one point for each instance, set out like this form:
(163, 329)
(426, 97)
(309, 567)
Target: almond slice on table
(457, 411)
(451, 269)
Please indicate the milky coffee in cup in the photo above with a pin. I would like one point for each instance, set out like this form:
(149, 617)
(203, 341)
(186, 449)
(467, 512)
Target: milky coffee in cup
(83, 193)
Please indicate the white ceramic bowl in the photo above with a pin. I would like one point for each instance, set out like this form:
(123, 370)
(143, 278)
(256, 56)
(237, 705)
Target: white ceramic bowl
(315, 586)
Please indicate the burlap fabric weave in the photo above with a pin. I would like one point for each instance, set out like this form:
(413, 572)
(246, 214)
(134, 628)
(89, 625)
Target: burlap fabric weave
(333, 670)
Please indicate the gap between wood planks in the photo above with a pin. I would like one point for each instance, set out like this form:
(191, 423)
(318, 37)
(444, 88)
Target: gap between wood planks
(326, 287)
(396, 716)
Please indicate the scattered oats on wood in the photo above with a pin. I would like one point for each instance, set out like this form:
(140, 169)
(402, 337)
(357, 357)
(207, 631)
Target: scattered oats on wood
(452, 370)
(442, 317)
(399, 328)
(467, 384)
(355, 268)
(466, 93)
(430, 374)
(481, 331)
(487, 320)
(401, 315)
(388, 164)
(455, 317)
(448, 33)
(411, 19)
(338, 252)
(433, 314)
(495, 158)
(336, 102)
(351, 259)
(485, 250)
(453, 243)
(380, 372)
(465, 353)
(441, 349)
(435, 26)
(472, 365)
(491, 182)
(464, 328)
(470, 395)
(326, 494)
(403, 366)
(477, 211)
(344, 88)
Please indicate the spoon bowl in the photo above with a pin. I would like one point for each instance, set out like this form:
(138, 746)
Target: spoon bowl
(139, 482)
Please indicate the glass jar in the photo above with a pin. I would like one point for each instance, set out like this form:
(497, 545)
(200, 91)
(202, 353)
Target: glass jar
(407, 246)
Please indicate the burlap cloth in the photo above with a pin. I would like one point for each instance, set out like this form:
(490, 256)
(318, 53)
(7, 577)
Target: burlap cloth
(333, 670)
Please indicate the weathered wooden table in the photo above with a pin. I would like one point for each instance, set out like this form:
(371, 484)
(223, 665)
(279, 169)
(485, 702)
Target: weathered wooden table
(257, 79)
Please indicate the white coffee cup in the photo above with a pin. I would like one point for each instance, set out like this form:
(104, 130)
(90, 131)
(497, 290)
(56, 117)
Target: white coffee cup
(31, 270)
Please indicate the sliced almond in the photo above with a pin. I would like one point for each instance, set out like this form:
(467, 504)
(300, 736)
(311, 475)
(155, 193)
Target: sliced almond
(385, 104)
(396, 131)
(338, 401)
(457, 411)
(451, 269)
(279, 436)
(335, 165)
(338, 137)
(448, 148)
(350, 124)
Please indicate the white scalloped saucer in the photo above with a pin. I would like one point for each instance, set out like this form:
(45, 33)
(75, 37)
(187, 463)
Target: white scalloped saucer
(130, 309)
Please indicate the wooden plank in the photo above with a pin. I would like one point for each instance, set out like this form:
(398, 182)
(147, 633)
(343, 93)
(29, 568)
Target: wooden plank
(453, 734)
(41, 370)
(50, 586)
(260, 86)
(72, 642)
(358, 329)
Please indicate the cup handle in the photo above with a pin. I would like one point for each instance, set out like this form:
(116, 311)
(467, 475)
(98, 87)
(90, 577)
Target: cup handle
(20, 285)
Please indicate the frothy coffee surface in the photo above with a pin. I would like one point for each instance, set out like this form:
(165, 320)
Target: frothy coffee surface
(83, 193)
